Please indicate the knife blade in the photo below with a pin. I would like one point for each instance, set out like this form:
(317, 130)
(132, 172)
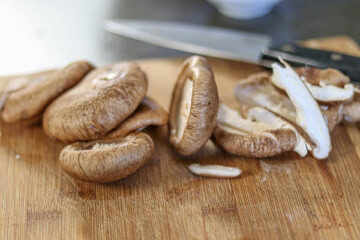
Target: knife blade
(230, 44)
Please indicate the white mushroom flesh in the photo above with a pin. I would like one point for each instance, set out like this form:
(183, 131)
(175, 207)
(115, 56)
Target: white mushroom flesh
(309, 116)
(331, 93)
(324, 92)
(265, 95)
(217, 171)
(231, 121)
(185, 106)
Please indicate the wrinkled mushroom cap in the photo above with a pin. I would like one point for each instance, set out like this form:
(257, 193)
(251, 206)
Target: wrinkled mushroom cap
(99, 103)
(33, 96)
(194, 107)
(148, 113)
(106, 161)
(255, 133)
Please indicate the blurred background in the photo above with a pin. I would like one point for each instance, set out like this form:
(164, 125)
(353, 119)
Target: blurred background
(39, 34)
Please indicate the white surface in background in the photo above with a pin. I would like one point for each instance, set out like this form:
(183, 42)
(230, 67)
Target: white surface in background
(244, 9)
(42, 34)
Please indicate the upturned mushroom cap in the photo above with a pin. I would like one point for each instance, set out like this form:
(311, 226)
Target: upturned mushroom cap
(34, 95)
(99, 103)
(326, 86)
(259, 133)
(107, 161)
(194, 107)
(148, 113)
(309, 116)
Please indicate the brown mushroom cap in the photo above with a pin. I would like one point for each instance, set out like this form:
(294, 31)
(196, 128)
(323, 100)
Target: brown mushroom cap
(194, 106)
(32, 97)
(107, 161)
(100, 102)
(259, 133)
(330, 76)
(148, 113)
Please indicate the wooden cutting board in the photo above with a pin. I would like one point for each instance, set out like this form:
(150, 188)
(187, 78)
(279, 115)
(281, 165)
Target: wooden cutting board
(281, 197)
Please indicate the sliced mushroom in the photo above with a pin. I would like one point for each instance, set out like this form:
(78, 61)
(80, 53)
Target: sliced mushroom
(259, 133)
(216, 171)
(99, 103)
(352, 110)
(257, 91)
(324, 90)
(193, 107)
(31, 97)
(148, 113)
(329, 76)
(309, 116)
(333, 115)
(107, 161)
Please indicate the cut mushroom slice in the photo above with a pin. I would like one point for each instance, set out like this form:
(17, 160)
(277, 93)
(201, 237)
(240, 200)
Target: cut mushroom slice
(329, 76)
(352, 110)
(323, 90)
(216, 171)
(256, 90)
(333, 115)
(31, 97)
(99, 103)
(148, 113)
(309, 116)
(194, 107)
(259, 133)
(107, 161)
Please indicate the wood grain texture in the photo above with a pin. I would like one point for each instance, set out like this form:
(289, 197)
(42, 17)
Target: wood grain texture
(277, 198)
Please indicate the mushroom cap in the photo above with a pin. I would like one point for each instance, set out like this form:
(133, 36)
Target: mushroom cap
(34, 95)
(259, 133)
(194, 107)
(100, 102)
(107, 161)
(330, 76)
(148, 113)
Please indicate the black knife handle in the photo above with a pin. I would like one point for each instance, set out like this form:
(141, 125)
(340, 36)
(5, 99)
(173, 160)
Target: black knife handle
(300, 56)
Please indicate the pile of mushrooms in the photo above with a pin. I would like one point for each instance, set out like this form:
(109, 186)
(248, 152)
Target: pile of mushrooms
(98, 111)
(288, 110)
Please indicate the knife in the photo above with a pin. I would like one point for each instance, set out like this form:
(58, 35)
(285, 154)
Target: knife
(231, 44)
